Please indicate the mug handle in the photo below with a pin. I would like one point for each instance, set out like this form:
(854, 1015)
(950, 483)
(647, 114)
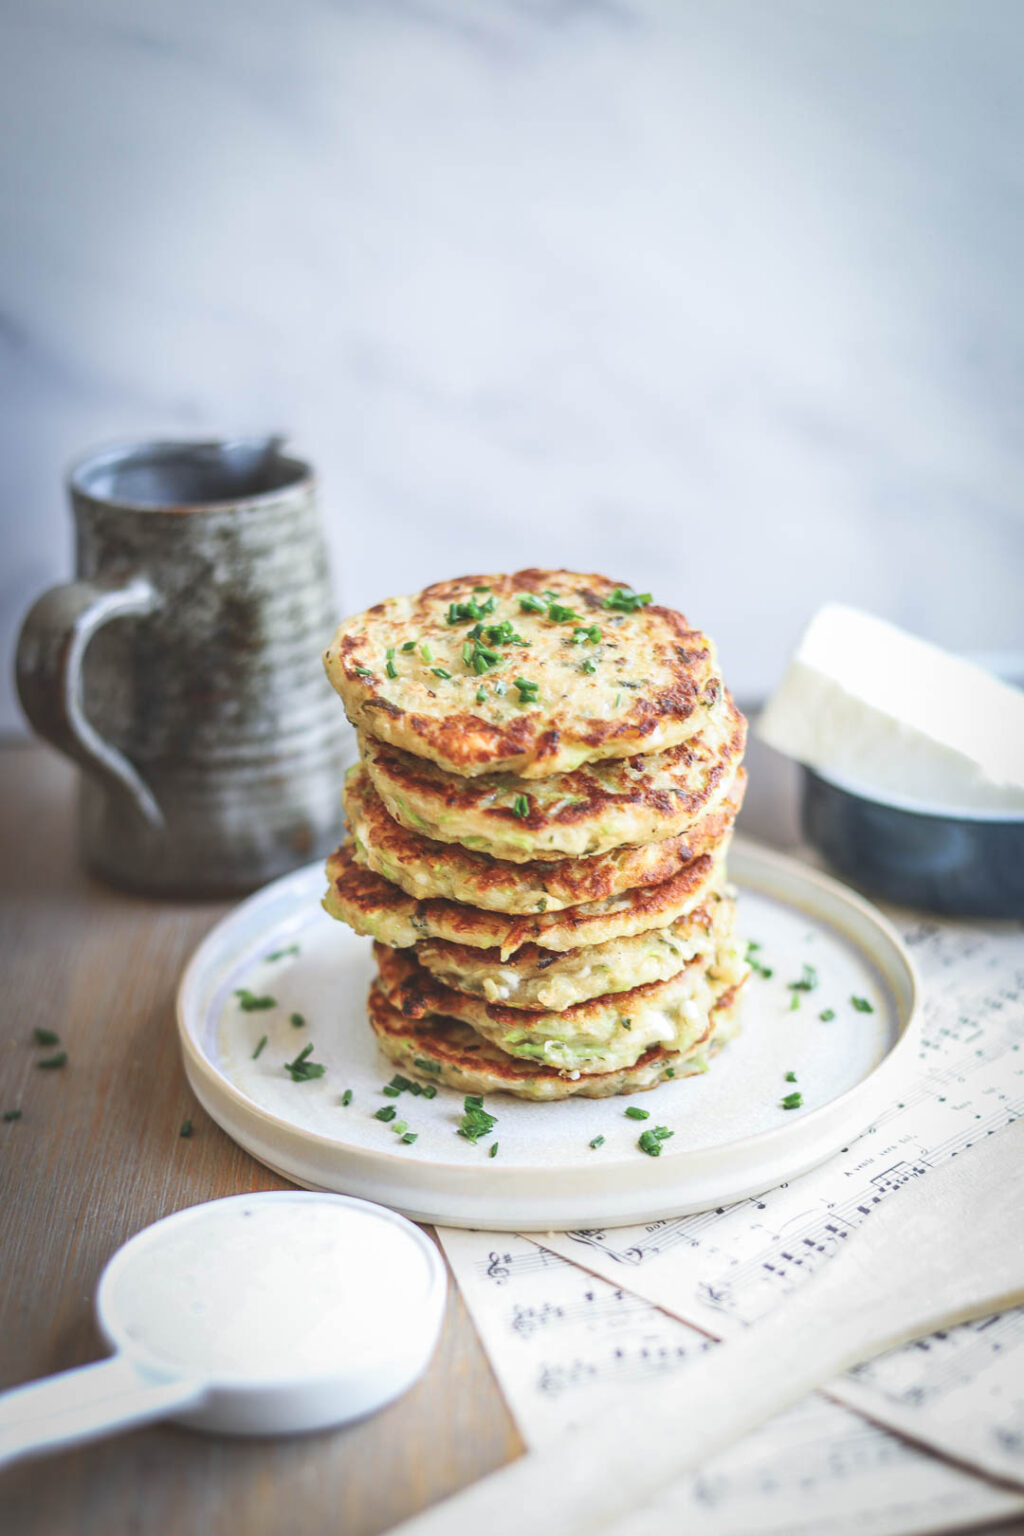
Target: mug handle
(51, 648)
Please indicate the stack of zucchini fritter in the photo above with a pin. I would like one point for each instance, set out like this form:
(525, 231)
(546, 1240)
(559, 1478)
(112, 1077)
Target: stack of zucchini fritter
(550, 770)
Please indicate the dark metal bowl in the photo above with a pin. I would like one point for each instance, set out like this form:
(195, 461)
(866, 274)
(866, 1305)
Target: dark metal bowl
(963, 865)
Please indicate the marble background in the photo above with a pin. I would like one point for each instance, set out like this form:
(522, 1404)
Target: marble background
(722, 296)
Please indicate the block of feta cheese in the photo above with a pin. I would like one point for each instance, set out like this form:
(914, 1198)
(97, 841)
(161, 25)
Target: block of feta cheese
(880, 712)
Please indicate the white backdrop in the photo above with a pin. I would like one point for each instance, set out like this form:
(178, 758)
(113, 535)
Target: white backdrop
(720, 296)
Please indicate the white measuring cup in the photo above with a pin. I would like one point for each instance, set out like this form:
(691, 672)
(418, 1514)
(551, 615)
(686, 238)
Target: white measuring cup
(261, 1314)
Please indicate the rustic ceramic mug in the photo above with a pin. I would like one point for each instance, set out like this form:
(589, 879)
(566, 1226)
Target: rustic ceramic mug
(181, 669)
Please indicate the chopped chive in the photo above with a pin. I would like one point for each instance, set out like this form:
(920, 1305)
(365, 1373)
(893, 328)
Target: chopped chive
(302, 1070)
(808, 981)
(793, 1101)
(481, 695)
(499, 689)
(410, 645)
(790, 1077)
(638, 1114)
(390, 653)
(521, 807)
(409, 1137)
(262, 1043)
(425, 1065)
(402, 1083)
(363, 672)
(589, 666)
(11, 1115)
(598, 1141)
(467, 652)
(531, 603)
(428, 1090)
(618, 700)
(527, 690)
(426, 653)
(827, 1015)
(45, 1037)
(670, 1071)
(650, 1141)
(476, 1122)
(346, 1098)
(250, 1003)
(387, 1112)
(400, 1127)
(862, 1005)
(465, 613)
(391, 1093)
(794, 1002)
(297, 1021)
(626, 601)
(49, 1063)
(494, 1149)
(186, 1129)
(560, 614)
(481, 589)
(391, 669)
(279, 954)
(441, 673)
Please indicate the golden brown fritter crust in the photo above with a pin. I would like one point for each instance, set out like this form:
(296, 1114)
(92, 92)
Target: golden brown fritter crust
(652, 681)
(372, 905)
(428, 869)
(452, 1055)
(591, 810)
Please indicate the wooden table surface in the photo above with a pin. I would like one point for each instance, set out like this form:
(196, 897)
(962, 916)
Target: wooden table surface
(97, 1154)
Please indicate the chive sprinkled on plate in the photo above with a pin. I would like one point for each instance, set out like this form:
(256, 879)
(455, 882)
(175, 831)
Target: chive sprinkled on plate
(45, 1037)
(11, 1115)
(637, 1114)
(51, 1063)
(408, 1139)
(297, 1021)
(808, 981)
(302, 1070)
(862, 1005)
(827, 1015)
(476, 1122)
(386, 1112)
(400, 1127)
(186, 1129)
(346, 1098)
(650, 1141)
(793, 1101)
(598, 1141)
(494, 1149)
(521, 807)
(790, 1077)
(794, 1002)
(250, 1003)
(280, 954)
(259, 1047)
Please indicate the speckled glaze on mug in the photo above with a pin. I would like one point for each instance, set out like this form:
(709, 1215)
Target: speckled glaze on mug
(181, 669)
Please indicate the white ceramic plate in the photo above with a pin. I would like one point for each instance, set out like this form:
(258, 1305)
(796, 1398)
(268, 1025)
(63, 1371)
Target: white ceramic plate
(731, 1136)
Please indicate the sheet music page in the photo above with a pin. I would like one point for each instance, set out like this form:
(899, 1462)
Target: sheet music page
(963, 1392)
(564, 1343)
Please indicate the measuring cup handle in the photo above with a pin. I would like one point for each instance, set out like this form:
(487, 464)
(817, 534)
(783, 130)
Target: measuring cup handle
(85, 1404)
(51, 649)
